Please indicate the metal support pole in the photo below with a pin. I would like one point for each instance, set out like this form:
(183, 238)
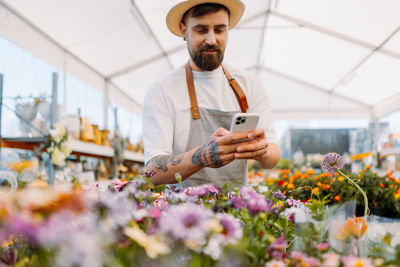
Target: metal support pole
(53, 115)
(54, 93)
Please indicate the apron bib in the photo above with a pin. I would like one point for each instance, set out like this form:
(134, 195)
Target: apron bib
(203, 124)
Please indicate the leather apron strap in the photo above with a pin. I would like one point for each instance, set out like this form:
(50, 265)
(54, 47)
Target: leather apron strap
(240, 96)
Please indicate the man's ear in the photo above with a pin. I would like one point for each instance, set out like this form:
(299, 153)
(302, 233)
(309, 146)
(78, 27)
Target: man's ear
(182, 28)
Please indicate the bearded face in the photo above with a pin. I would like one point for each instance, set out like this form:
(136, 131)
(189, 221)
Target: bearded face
(206, 38)
(207, 57)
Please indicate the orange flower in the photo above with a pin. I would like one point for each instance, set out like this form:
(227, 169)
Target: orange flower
(326, 187)
(285, 171)
(319, 184)
(337, 198)
(305, 176)
(341, 179)
(382, 185)
(389, 174)
(368, 167)
(310, 172)
(259, 174)
(297, 175)
(354, 227)
(284, 176)
(315, 191)
(291, 186)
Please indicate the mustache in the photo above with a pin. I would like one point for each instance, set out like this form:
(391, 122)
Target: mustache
(210, 48)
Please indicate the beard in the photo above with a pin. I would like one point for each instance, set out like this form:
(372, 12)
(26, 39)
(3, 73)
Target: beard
(206, 61)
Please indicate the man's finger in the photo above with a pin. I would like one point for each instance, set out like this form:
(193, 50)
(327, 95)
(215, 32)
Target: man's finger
(255, 133)
(252, 146)
(232, 137)
(251, 155)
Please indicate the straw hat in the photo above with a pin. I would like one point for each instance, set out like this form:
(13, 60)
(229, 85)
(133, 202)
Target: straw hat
(235, 7)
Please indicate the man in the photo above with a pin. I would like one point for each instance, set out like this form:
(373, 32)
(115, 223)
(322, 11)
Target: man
(187, 113)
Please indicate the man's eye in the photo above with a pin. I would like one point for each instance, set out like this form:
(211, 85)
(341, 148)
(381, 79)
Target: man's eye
(219, 30)
(201, 30)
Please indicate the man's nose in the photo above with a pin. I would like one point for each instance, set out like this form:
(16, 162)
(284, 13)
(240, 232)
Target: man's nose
(211, 40)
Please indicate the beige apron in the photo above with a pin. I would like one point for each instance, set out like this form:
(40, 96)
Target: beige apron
(203, 124)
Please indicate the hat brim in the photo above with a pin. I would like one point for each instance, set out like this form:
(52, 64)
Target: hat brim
(235, 7)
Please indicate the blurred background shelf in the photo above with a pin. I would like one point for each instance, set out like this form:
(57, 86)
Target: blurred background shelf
(79, 148)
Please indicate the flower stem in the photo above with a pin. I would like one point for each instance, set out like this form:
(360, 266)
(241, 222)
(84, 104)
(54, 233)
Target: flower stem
(359, 189)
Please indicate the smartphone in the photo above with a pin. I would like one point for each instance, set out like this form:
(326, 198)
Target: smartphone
(244, 122)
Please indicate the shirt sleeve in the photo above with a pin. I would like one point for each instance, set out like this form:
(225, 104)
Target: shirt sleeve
(157, 124)
(260, 103)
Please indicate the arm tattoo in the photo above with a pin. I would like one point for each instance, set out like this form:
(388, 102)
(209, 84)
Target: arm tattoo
(207, 155)
(161, 162)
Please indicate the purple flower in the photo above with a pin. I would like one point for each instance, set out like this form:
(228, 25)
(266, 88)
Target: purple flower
(255, 202)
(237, 202)
(279, 194)
(119, 185)
(277, 249)
(20, 225)
(331, 162)
(293, 202)
(232, 229)
(187, 222)
(202, 190)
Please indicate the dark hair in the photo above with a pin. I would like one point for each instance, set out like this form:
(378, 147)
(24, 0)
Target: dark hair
(200, 10)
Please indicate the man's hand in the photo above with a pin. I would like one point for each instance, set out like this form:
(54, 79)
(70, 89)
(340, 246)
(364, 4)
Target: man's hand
(219, 150)
(255, 149)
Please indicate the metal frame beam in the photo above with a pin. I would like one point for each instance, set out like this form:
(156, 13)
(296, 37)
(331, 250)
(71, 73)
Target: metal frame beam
(377, 49)
(58, 45)
(316, 87)
(263, 31)
(336, 34)
(145, 62)
(147, 25)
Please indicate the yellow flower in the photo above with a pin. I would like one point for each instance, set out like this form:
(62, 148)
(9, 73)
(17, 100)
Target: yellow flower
(153, 244)
(341, 179)
(20, 166)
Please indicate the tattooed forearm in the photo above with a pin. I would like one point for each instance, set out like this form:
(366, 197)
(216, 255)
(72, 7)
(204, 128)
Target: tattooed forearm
(175, 160)
(207, 155)
(196, 158)
(161, 162)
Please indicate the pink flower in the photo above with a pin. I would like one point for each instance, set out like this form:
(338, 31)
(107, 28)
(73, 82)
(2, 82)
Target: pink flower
(312, 262)
(275, 263)
(352, 261)
(298, 256)
(331, 260)
(322, 246)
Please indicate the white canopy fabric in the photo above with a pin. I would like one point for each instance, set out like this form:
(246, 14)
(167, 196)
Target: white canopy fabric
(318, 58)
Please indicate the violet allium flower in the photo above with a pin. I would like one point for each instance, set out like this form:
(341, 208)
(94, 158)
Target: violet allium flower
(202, 190)
(279, 194)
(232, 231)
(187, 222)
(277, 249)
(331, 162)
(255, 202)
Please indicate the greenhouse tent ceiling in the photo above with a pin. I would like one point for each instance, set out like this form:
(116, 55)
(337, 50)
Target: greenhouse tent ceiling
(318, 58)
